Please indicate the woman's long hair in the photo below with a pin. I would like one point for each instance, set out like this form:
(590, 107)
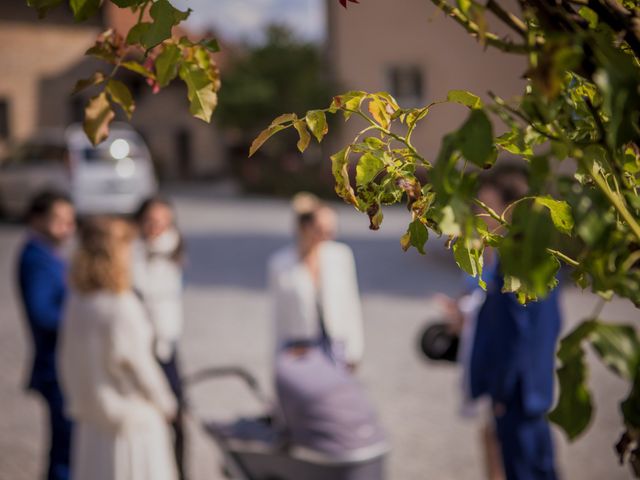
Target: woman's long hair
(101, 261)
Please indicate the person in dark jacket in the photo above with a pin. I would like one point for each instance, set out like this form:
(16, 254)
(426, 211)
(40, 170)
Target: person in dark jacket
(42, 288)
(513, 356)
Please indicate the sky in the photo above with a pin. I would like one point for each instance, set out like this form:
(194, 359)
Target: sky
(245, 19)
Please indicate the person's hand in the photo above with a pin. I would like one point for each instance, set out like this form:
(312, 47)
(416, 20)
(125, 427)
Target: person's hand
(451, 310)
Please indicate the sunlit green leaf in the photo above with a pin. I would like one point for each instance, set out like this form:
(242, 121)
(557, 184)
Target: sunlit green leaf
(465, 98)
(120, 94)
(317, 122)
(560, 213)
(167, 64)
(369, 165)
(200, 90)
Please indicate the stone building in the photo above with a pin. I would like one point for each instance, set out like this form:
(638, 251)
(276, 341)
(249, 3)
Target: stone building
(412, 50)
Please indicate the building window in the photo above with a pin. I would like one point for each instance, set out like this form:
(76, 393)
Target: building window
(5, 131)
(406, 85)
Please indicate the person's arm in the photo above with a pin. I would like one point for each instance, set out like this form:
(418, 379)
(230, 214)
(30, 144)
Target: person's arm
(354, 333)
(42, 294)
(135, 352)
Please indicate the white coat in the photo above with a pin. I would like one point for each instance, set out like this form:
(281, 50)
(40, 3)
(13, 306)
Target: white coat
(115, 391)
(158, 279)
(294, 298)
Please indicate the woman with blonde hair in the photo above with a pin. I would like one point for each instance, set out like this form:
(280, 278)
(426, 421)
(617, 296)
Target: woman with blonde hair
(117, 393)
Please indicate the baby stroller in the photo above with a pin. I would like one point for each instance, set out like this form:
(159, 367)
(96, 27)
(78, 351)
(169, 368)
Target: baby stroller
(264, 449)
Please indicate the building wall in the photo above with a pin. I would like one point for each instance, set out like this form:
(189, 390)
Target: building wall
(29, 52)
(368, 39)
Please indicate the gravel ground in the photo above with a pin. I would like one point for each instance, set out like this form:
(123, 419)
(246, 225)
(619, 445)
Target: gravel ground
(229, 240)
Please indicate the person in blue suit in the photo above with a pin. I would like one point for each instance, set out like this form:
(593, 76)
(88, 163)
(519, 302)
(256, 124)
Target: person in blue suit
(513, 356)
(42, 287)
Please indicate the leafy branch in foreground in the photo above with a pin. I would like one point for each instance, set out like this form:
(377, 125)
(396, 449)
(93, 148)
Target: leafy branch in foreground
(149, 50)
(578, 114)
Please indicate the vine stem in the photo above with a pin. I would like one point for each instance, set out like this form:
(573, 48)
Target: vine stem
(616, 200)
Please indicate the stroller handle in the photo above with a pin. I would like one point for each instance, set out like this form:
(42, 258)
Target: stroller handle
(216, 373)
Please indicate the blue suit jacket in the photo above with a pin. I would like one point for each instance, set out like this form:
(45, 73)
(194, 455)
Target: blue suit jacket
(514, 348)
(41, 278)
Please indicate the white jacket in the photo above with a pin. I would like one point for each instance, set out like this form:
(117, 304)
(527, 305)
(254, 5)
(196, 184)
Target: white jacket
(115, 391)
(294, 307)
(158, 278)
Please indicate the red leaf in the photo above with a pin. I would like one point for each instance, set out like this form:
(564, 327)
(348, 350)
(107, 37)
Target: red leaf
(344, 2)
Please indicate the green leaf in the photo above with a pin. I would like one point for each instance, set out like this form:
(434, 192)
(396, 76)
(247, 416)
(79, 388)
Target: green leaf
(165, 16)
(167, 64)
(263, 137)
(465, 98)
(43, 6)
(210, 44)
(95, 79)
(573, 411)
(369, 165)
(303, 133)
(317, 122)
(127, 3)
(98, 115)
(349, 102)
(468, 259)
(200, 90)
(83, 9)
(121, 95)
(618, 347)
(137, 33)
(560, 213)
(475, 139)
(417, 236)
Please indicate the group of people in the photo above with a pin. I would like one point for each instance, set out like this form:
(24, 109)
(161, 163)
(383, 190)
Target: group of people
(105, 328)
(105, 325)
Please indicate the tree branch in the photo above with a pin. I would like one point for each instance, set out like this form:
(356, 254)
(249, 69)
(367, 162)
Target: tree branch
(508, 18)
(490, 38)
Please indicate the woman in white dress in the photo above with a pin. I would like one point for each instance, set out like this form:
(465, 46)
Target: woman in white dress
(158, 258)
(117, 394)
(314, 288)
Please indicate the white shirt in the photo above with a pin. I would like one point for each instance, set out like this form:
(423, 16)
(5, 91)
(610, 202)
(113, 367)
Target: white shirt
(295, 302)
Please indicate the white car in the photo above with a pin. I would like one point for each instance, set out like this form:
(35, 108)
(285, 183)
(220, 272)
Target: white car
(113, 178)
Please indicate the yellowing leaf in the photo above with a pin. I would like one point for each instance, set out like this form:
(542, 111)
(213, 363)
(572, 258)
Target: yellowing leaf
(95, 79)
(121, 95)
(200, 91)
(263, 137)
(317, 122)
(305, 138)
(98, 115)
(465, 98)
(368, 168)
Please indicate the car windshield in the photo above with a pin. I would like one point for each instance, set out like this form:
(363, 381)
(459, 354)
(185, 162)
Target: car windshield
(115, 148)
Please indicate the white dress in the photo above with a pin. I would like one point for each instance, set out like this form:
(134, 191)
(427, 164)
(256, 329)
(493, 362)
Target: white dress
(158, 278)
(115, 391)
(295, 300)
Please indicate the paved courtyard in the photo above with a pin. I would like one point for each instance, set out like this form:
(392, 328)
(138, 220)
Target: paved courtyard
(228, 242)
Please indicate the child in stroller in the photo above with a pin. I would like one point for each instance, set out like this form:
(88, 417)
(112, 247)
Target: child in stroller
(324, 429)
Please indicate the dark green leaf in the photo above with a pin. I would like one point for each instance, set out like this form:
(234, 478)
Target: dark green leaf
(165, 16)
(618, 347)
(475, 139)
(211, 44)
(43, 6)
(418, 236)
(83, 9)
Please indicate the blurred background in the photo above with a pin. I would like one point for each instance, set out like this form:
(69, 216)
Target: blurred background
(277, 56)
